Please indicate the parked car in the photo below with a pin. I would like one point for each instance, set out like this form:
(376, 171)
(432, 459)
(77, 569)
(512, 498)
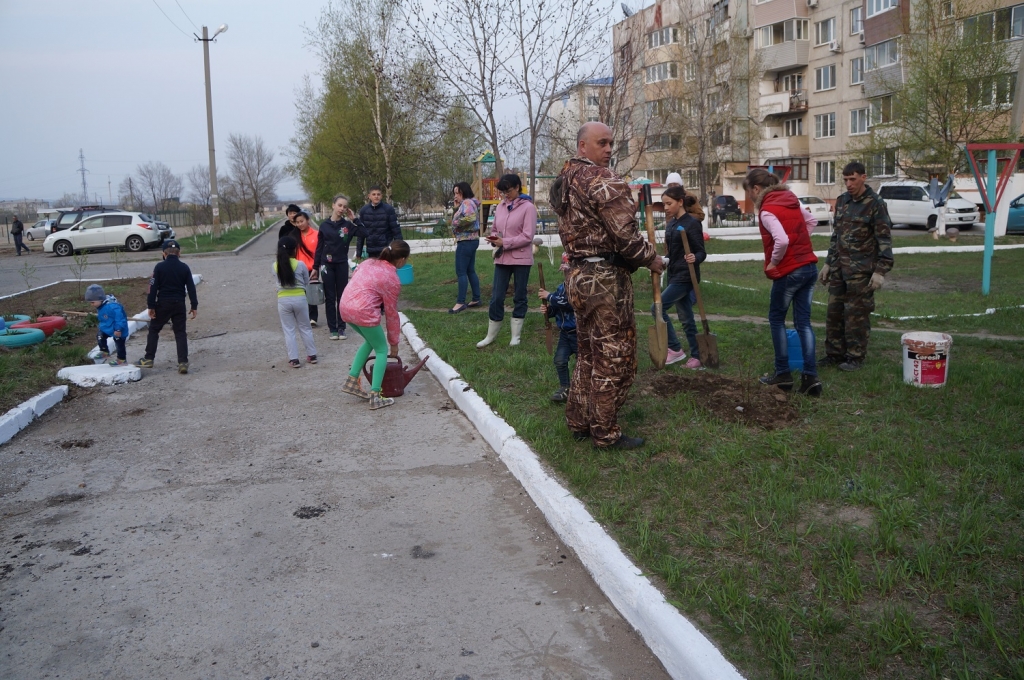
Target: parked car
(724, 207)
(164, 227)
(39, 230)
(821, 209)
(1015, 217)
(128, 230)
(68, 218)
(908, 203)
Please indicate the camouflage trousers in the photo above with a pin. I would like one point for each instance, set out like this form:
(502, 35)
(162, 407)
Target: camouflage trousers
(602, 296)
(848, 319)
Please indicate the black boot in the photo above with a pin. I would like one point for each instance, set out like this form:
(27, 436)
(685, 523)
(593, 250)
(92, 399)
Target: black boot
(784, 381)
(809, 384)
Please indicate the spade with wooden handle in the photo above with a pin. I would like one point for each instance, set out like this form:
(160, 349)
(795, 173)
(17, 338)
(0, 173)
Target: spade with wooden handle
(707, 342)
(657, 335)
(549, 339)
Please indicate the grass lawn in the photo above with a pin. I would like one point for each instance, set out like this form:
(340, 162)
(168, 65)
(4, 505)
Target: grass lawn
(874, 532)
(228, 240)
(25, 372)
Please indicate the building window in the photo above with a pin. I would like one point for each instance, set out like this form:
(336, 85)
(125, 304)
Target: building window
(800, 167)
(859, 121)
(946, 9)
(1002, 24)
(665, 36)
(792, 81)
(794, 127)
(622, 148)
(825, 125)
(995, 90)
(664, 142)
(593, 100)
(664, 107)
(691, 35)
(879, 6)
(690, 72)
(825, 172)
(882, 164)
(719, 13)
(825, 78)
(824, 31)
(625, 55)
(690, 178)
(593, 119)
(714, 101)
(857, 71)
(784, 31)
(881, 55)
(721, 136)
(856, 20)
(881, 111)
(659, 72)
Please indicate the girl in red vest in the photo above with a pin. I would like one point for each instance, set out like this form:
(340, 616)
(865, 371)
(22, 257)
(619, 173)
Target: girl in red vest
(790, 262)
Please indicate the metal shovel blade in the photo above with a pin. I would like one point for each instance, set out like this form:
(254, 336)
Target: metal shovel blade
(657, 339)
(707, 343)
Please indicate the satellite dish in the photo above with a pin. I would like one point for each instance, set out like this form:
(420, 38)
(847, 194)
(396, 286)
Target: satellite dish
(626, 10)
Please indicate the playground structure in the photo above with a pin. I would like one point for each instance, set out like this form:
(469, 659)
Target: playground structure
(991, 190)
(485, 183)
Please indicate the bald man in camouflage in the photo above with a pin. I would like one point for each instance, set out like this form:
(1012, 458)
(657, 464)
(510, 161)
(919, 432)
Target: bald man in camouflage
(597, 226)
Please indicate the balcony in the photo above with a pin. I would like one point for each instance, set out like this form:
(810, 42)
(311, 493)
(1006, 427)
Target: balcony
(784, 147)
(787, 101)
(787, 55)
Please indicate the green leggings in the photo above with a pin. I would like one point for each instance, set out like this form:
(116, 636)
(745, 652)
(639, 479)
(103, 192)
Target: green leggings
(373, 339)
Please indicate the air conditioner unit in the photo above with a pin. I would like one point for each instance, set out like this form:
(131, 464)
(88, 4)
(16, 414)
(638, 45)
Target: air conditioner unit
(861, 38)
(834, 46)
(812, 3)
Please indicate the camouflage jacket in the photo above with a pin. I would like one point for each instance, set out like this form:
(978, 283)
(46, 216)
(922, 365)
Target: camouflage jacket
(597, 214)
(861, 236)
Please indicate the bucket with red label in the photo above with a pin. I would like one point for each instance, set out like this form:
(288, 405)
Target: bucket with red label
(926, 358)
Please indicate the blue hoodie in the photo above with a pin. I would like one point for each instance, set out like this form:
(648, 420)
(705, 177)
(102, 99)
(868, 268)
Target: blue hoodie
(112, 317)
(559, 307)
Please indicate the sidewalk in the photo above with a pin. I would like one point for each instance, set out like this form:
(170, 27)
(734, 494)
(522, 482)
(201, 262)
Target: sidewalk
(250, 520)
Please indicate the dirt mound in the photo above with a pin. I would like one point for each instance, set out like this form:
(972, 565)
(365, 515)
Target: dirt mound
(728, 399)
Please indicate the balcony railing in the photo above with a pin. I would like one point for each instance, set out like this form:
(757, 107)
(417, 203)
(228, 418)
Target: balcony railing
(787, 101)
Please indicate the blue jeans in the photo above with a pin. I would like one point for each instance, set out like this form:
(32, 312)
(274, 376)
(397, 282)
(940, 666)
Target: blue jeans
(794, 289)
(567, 346)
(679, 295)
(101, 340)
(465, 269)
(502, 274)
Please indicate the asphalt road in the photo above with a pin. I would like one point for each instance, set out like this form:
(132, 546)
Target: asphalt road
(249, 520)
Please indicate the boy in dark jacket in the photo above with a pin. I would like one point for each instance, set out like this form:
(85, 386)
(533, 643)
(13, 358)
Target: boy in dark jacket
(681, 224)
(557, 305)
(379, 223)
(288, 228)
(112, 321)
(331, 260)
(172, 279)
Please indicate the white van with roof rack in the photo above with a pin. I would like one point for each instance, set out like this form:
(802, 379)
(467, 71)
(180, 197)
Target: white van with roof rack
(908, 203)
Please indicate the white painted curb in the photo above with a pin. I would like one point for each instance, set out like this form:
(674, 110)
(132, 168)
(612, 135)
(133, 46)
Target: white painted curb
(683, 650)
(19, 417)
(100, 374)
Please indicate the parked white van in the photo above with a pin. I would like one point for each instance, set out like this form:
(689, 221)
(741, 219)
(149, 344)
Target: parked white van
(908, 203)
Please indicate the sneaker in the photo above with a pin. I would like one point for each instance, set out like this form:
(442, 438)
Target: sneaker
(312, 324)
(851, 365)
(377, 401)
(145, 363)
(335, 336)
(675, 357)
(118, 362)
(342, 336)
(311, 359)
(809, 384)
(624, 442)
(693, 363)
(294, 363)
(830, 361)
(352, 386)
(104, 355)
(183, 368)
(561, 395)
(784, 381)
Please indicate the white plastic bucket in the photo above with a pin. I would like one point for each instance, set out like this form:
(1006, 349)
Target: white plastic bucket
(926, 358)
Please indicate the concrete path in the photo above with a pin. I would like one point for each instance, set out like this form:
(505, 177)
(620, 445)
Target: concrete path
(249, 520)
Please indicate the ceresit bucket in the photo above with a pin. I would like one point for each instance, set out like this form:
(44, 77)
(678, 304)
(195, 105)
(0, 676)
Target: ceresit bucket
(926, 358)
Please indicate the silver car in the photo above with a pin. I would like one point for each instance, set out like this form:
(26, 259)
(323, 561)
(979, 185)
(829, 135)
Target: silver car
(40, 230)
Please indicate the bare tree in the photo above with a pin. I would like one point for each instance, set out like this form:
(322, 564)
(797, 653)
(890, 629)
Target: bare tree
(153, 183)
(462, 39)
(253, 169)
(198, 178)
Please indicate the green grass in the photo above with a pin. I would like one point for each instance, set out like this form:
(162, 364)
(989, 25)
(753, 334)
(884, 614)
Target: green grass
(878, 535)
(228, 240)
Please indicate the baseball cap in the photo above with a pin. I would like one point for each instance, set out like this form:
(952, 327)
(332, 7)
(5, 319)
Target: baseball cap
(170, 243)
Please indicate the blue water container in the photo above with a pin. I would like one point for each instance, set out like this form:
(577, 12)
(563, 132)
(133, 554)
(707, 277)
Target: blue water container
(796, 351)
(405, 274)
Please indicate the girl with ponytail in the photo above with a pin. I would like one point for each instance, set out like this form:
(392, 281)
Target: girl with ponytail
(292, 279)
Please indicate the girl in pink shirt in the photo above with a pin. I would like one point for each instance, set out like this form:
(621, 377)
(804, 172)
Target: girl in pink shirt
(374, 285)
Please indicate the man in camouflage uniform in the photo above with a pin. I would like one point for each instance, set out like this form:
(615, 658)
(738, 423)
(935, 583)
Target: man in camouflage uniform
(598, 230)
(859, 257)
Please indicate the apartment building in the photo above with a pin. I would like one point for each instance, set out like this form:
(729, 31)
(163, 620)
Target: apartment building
(591, 100)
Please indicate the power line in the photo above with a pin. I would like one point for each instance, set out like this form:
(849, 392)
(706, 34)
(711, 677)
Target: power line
(186, 15)
(169, 19)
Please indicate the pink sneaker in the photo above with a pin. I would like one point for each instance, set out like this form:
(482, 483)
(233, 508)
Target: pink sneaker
(694, 364)
(675, 357)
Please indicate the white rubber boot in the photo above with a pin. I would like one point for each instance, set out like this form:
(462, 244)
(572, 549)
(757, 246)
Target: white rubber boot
(492, 332)
(517, 331)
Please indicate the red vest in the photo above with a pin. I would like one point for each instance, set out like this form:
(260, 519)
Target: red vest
(785, 206)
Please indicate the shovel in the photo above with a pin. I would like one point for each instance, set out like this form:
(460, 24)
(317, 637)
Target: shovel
(657, 335)
(707, 342)
(549, 339)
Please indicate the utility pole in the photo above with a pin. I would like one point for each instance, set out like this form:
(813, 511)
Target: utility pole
(110, 195)
(131, 193)
(85, 190)
(206, 40)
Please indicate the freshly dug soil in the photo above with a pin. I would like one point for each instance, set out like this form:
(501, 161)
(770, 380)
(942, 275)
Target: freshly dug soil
(69, 296)
(723, 397)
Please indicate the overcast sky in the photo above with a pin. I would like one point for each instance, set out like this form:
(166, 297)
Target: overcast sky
(118, 80)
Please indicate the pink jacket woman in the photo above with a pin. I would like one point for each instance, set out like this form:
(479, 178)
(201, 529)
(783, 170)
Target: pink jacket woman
(516, 223)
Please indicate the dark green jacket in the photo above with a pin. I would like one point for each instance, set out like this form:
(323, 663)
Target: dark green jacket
(862, 237)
